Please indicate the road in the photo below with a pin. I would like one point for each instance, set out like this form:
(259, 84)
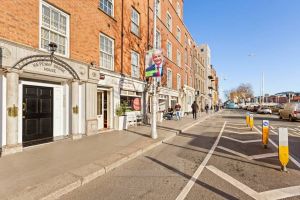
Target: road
(216, 159)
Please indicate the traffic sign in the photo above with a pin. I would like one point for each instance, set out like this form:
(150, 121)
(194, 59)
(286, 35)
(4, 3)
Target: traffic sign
(265, 132)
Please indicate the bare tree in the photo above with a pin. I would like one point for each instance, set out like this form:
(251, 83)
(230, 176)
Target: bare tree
(243, 92)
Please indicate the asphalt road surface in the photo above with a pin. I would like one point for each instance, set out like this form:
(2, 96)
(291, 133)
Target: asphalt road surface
(220, 158)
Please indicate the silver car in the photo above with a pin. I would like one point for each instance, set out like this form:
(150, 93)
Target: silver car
(290, 111)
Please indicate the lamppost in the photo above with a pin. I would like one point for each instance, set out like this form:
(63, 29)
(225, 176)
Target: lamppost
(52, 49)
(154, 97)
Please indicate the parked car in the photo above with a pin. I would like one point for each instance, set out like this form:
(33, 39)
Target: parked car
(264, 110)
(290, 111)
(276, 109)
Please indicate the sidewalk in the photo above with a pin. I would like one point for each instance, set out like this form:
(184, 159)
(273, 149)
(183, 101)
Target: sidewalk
(51, 170)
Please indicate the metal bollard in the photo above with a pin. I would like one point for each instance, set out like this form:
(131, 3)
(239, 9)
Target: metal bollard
(265, 132)
(283, 148)
(251, 121)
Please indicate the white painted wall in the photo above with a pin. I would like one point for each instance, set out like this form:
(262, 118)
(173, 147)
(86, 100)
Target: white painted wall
(2, 110)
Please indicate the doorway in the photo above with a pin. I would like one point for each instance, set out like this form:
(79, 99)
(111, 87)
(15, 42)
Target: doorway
(102, 109)
(37, 115)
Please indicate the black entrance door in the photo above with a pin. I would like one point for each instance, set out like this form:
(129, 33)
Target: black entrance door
(37, 115)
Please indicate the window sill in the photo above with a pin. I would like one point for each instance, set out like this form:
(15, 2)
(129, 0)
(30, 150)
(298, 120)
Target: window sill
(110, 16)
(136, 35)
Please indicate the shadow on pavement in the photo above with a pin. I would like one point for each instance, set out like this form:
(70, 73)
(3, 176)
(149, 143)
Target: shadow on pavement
(231, 157)
(209, 187)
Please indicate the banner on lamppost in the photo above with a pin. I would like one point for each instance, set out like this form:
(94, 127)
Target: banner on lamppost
(154, 63)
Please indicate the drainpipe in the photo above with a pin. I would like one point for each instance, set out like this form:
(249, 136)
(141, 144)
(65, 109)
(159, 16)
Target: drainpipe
(122, 38)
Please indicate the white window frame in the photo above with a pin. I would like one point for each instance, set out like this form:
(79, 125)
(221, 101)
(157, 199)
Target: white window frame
(169, 51)
(112, 55)
(134, 23)
(169, 78)
(186, 56)
(158, 39)
(112, 9)
(178, 34)
(67, 35)
(137, 66)
(169, 21)
(158, 8)
(178, 58)
(178, 80)
(178, 9)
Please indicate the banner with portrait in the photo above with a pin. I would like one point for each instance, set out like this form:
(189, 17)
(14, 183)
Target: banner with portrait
(154, 63)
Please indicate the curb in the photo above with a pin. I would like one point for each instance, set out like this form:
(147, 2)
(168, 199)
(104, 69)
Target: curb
(67, 182)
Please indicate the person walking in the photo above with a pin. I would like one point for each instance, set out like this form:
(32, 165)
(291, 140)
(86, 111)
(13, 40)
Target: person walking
(206, 108)
(195, 108)
(177, 109)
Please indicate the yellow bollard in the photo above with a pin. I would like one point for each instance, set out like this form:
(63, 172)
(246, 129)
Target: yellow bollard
(247, 118)
(265, 132)
(283, 148)
(251, 121)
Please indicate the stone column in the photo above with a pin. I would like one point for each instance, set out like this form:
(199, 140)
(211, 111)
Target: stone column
(75, 110)
(12, 94)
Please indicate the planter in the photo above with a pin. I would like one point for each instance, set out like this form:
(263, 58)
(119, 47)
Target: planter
(120, 123)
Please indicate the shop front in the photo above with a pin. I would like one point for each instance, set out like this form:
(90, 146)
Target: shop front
(44, 97)
(115, 90)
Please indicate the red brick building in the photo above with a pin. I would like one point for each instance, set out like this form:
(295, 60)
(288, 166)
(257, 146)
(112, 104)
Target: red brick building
(110, 37)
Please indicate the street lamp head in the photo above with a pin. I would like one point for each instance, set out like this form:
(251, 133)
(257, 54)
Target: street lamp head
(52, 47)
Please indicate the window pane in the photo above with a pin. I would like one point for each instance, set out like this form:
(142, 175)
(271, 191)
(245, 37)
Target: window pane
(54, 19)
(106, 6)
(62, 24)
(46, 16)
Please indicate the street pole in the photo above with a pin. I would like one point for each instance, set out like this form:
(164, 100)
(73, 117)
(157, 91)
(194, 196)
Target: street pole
(154, 96)
(263, 87)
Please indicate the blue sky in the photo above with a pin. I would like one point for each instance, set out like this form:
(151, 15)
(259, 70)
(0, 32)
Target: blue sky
(269, 30)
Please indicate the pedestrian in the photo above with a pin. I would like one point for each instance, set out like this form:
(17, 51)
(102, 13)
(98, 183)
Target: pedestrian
(206, 108)
(177, 109)
(195, 108)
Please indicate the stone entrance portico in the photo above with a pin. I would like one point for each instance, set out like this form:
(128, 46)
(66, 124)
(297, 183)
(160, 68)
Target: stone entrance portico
(79, 85)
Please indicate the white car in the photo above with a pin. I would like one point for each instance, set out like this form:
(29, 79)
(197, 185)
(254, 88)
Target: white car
(264, 110)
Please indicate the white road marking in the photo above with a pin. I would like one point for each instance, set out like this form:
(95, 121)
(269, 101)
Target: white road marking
(253, 157)
(266, 155)
(291, 157)
(240, 128)
(269, 195)
(192, 181)
(281, 193)
(241, 141)
(259, 127)
(237, 124)
(274, 132)
(292, 134)
(272, 127)
(247, 190)
(234, 152)
(240, 133)
(292, 129)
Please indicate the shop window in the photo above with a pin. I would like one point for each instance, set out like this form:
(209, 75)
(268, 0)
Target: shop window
(132, 103)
